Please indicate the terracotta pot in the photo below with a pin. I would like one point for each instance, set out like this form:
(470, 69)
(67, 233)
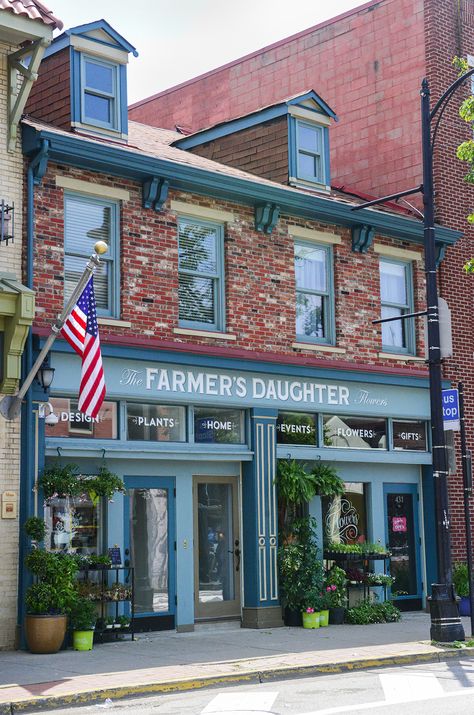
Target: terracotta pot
(45, 634)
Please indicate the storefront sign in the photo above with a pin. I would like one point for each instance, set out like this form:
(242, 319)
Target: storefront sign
(72, 423)
(156, 423)
(451, 418)
(218, 426)
(410, 435)
(345, 517)
(296, 428)
(354, 432)
(399, 524)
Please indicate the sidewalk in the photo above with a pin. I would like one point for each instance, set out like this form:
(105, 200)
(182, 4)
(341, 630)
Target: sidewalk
(212, 655)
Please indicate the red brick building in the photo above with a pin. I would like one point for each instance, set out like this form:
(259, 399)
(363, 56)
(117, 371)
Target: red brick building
(368, 65)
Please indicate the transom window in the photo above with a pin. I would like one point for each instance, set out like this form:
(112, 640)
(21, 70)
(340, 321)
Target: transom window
(313, 277)
(396, 296)
(86, 221)
(100, 90)
(201, 275)
(310, 152)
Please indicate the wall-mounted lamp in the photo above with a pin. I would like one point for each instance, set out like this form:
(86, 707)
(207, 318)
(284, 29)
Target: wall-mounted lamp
(45, 375)
(46, 413)
(6, 222)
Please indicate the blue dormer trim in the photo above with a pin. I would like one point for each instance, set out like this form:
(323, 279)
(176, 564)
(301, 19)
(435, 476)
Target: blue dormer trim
(266, 114)
(63, 40)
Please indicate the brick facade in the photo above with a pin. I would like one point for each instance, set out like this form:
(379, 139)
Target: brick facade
(50, 97)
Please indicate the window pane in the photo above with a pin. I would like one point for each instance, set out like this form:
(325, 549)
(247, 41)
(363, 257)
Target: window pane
(73, 525)
(309, 138)
(73, 269)
(73, 423)
(296, 428)
(393, 287)
(310, 315)
(393, 333)
(345, 517)
(85, 223)
(156, 423)
(218, 426)
(354, 432)
(196, 299)
(310, 268)
(99, 108)
(309, 166)
(197, 248)
(409, 435)
(100, 77)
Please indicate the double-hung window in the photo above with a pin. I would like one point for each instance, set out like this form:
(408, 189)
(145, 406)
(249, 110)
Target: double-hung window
(396, 295)
(100, 87)
(310, 152)
(201, 274)
(86, 221)
(314, 303)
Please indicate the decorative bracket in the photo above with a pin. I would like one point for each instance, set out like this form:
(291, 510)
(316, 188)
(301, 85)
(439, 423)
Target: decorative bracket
(17, 95)
(362, 238)
(155, 193)
(39, 163)
(266, 217)
(440, 253)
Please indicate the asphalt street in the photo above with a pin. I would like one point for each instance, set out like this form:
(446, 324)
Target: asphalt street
(437, 689)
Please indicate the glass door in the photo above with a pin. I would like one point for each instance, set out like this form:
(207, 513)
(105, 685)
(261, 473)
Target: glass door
(149, 529)
(403, 538)
(217, 550)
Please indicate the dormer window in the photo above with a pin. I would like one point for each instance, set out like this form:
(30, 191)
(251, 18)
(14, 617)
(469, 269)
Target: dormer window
(100, 93)
(310, 155)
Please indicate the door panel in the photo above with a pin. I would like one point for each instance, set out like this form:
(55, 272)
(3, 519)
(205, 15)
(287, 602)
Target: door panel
(149, 530)
(403, 538)
(216, 548)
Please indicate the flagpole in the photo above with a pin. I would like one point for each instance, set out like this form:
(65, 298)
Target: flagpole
(10, 406)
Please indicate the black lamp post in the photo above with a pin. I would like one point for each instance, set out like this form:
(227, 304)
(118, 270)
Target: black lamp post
(445, 622)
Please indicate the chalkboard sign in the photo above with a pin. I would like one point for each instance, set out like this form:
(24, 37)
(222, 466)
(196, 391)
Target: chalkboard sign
(115, 556)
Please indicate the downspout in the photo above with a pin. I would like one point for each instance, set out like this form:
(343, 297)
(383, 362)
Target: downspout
(36, 171)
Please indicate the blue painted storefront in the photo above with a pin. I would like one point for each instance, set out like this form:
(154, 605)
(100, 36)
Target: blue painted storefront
(261, 389)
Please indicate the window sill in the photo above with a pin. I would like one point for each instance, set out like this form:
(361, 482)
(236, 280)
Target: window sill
(204, 333)
(397, 356)
(114, 322)
(317, 348)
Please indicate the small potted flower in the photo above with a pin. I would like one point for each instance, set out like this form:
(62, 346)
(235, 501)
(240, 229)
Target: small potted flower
(336, 590)
(311, 609)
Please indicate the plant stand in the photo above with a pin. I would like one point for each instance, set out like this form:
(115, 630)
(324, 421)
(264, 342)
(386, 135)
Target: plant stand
(110, 607)
(364, 563)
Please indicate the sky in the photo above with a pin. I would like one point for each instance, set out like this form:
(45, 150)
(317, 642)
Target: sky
(181, 39)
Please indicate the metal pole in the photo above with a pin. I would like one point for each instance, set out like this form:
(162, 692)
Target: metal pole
(10, 406)
(445, 626)
(467, 491)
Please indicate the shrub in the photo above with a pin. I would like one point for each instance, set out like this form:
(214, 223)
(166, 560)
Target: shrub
(367, 612)
(35, 528)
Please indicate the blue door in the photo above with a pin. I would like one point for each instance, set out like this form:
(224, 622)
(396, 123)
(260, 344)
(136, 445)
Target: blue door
(150, 547)
(403, 539)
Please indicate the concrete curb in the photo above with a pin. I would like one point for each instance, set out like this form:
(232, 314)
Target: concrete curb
(40, 703)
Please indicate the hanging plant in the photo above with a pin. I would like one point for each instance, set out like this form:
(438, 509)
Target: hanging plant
(327, 481)
(105, 484)
(60, 481)
(295, 486)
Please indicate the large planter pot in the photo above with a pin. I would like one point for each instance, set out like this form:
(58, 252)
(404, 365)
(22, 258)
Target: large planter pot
(292, 618)
(82, 640)
(45, 634)
(336, 615)
(310, 620)
(464, 606)
(324, 618)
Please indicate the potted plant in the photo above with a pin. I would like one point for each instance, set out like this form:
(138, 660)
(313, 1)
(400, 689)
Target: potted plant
(124, 621)
(83, 617)
(105, 484)
(326, 481)
(336, 588)
(35, 528)
(311, 612)
(99, 561)
(60, 481)
(461, 584)
(295, 486)
(109, 623)
(324, 605)
(49, 599)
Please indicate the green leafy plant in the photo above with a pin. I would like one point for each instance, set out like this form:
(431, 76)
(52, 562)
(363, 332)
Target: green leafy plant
(327, 482)
(379, 579)
(461, 579)
(83, 615)
(105, 484)
(35, 528)
(295, 487)
(367, 612)
(60, 481)
(54, 590)
(124, 621)
(300, 566)
(364, 549)
(99, 561)
(335, 585)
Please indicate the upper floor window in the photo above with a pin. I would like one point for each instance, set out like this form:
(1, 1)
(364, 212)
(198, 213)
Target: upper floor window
(396, 295)
(100, 86)
(310, 154)
(314, 305)
(201, 274)
(86, 221)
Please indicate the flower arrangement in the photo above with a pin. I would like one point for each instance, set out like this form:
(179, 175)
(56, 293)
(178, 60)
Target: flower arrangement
(379, 579)
(364, 549)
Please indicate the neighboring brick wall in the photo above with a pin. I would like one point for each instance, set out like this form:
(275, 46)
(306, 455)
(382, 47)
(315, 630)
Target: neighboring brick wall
(260, 290)
(261, 150)
(367, 66)
(11, 172)
(50, 96)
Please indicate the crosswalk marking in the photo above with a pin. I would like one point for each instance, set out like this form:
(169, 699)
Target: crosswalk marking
(241, 703)
(397, 687)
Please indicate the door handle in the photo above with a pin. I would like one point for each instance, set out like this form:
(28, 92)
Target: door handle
(237, 556)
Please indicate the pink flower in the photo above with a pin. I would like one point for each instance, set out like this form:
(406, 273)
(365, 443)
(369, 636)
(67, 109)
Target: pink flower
(333, 587)
(328, 588)
(310, 610)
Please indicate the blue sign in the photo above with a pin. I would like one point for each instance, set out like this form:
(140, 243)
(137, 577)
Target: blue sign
(451, 409)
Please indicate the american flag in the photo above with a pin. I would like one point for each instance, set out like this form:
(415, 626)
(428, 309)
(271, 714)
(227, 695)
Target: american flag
(82, 333)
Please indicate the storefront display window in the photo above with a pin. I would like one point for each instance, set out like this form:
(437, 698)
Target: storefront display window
(73, 423)
(156, 423)
(218, 426)
(296, 428)
(354, 432)
(409, 434)
(345, 516)
(73, 525)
